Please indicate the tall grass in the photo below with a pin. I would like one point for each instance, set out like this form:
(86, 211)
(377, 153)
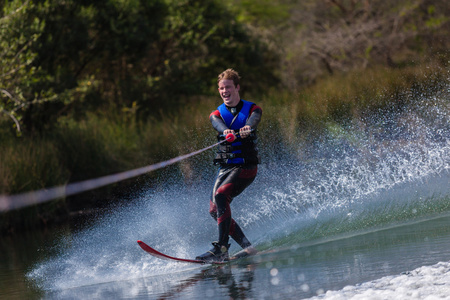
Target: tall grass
(107, 142)
(339, 99)
(29, 165)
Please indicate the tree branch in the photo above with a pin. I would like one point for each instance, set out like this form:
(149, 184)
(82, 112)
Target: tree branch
(13, 118)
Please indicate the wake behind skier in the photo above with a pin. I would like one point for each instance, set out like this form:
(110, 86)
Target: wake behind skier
(238, 162)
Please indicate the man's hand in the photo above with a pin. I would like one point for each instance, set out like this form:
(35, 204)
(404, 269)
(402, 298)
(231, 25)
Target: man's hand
(245, 131)
(227, 131)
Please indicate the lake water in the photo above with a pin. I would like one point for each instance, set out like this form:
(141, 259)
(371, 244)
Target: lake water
(363, 212)
(297, 272)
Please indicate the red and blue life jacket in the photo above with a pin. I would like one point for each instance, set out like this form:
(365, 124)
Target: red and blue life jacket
(241, 150)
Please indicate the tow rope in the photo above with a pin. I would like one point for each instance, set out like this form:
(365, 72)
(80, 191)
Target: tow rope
(11, 202)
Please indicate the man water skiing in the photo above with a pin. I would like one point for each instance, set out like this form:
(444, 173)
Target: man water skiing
(238, 162)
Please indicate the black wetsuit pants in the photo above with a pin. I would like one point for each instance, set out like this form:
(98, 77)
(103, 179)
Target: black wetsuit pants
(230, 182)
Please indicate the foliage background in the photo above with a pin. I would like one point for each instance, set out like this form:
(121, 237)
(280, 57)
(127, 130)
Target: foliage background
(92, 88)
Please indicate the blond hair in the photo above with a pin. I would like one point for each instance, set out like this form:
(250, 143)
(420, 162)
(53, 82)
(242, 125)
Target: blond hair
(229, 74)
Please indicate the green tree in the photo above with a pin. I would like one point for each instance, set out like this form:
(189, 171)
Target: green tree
(19, 32)
(116, 55)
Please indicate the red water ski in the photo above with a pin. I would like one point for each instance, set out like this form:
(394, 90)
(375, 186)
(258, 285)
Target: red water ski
(158, 254)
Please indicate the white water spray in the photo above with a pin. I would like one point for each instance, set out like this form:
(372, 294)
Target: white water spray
(361, 177)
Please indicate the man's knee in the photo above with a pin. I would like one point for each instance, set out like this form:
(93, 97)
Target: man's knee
(221, 202)
(213, 209)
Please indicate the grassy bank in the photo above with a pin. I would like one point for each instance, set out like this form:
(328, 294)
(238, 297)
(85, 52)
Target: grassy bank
(108, 142)
(337, 100)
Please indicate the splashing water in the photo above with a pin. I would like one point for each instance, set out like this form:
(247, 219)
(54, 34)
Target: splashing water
(387, 169)
(375, 173)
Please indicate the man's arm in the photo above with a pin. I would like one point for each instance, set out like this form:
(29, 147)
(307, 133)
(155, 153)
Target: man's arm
(252, 121)
(217, 122)
(255, 116)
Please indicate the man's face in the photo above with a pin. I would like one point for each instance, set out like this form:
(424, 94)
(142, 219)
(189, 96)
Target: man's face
(229, 92)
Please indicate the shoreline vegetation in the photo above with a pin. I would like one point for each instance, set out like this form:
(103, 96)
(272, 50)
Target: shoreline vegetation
(102, 108)
(105, 144)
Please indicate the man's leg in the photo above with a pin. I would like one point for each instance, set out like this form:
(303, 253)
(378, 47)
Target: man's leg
(232, 183)
(235, 230)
